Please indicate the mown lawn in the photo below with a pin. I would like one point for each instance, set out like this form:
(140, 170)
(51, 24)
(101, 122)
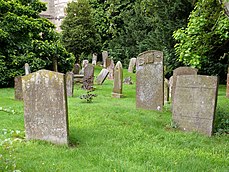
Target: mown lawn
(111, 135)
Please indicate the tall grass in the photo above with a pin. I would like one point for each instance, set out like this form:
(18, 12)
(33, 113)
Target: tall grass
(110, 134)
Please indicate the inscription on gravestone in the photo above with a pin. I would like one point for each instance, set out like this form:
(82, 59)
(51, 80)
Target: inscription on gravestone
(45, 106)
(195, 102)
(118, 78)
(69, 77)
(102, 76)
(18, 94)
(150, 81)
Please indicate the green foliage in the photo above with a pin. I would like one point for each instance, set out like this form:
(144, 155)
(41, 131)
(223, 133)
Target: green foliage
(25, 37)
(88, 96)
(204, 42)
(79, 35)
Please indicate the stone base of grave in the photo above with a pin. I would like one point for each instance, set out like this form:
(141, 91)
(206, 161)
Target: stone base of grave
(78, 78)
(117, 95)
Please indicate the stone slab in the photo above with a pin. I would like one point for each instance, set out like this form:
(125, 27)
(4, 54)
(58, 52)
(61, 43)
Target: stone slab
(102, 76)
(194, 103)
(69, 78)
(45, 106)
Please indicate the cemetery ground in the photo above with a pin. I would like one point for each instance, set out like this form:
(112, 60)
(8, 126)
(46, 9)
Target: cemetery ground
(110, 134)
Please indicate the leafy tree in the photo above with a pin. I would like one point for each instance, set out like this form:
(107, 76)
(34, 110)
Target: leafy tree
(204, 42)
(79, 33)
(25, 37)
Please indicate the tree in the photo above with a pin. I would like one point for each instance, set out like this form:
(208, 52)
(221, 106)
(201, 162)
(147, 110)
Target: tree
(79, 35)
(204, 42)
(25, 37)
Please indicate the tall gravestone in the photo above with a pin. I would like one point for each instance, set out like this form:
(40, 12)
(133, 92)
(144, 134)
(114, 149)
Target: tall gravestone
(88, 79)
(132, 65)
(104, 56)
(69, 78)
(118, 78)
(166, 90)
(94, 59)
(227, 91)
(194, 103)
(18, 94)
(102, 76)
(45, 106)
(181, 71)
(111, 70)
(150, 81)
(27, 69)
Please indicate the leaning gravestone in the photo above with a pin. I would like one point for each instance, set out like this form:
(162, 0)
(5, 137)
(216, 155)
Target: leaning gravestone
(85, 63)
(18, 94)
(88, 79)
(102, 76)
(227, 92)
(94, 59)
(118, 78)
(45, 106)
(194, 103)
(27, 69)
(69, 79)
(150, 80)
(131, 65)
(181, 71)
(104, 56)
(111, 70)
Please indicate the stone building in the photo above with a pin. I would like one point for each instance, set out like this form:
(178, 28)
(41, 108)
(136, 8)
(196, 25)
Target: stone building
(55, 11)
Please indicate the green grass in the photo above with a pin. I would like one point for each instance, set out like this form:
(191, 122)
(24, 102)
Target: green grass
(111, 135)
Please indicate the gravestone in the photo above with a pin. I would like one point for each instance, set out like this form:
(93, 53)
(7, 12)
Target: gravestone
(181, 71)
(108, 62)
(111, 70)
(76, 69)
(104, 56)
(170, 87)
(166, 90)
(94, 59)
(88, 79)
(84, 63)
(150, 80)
(45, 106)
(132, 65)
(194, 103)
(69, 78)
(118, 78)
(102, 76)
(128, 81)
(18, 94)
(27, 69)
(227, 91)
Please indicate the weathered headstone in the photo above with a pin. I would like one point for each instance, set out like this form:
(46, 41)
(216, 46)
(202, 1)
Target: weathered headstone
(69, 78)
(76, 69)
(111, 70)
(102, 76)
(128, 81)
(170, 87)
(84, 63)
(132, 65)
(45, 106)
(181, 71)
(94, 59)
(104, 56)
(194, 103)
(118, 78)
(88, 79)
(166, 90)
(227, 91)
(27, 69)
(18, 94)
(150, 80)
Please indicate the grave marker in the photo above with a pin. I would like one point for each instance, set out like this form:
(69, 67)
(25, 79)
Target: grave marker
(102, 76)
(118, 78)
